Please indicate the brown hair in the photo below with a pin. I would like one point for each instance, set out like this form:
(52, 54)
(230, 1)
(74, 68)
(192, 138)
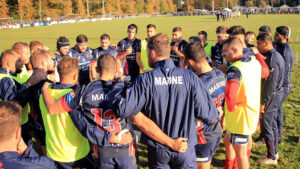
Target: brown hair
(221, 29)
(19, 46)
(67, 65)
(160, 44)
(195, 51)
(39, 56)
(106, 63)
(177, 29)
(6, 55)
(10, 119)
(36, 45)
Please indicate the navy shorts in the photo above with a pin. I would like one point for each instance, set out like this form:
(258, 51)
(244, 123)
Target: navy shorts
(117, 162)
(238, 139)
(204, 152)
(86, 162)
(164, 158)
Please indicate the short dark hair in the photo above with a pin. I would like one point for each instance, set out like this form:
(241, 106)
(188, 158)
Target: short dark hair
(177, 29)
(160, 43)
(106, 63)
(104, 36)
(221, 29)
(203, 33)
(195, 51)
(67, 65)
(195, 39)
(132, 26)
(151, 26)
(265, 29)
(283, 30)
(81, 39)
(249, 33)
(10, 119)
(236, 30)
(264, 37)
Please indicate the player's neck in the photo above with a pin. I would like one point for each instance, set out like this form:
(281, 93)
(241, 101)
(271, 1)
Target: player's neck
(7, 146)
(203, 68)
(67, 81)
(106, 77)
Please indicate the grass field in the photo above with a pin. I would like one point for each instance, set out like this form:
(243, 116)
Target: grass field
(289, 151)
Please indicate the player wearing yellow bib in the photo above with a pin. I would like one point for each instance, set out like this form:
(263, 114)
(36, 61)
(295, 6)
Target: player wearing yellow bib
(242, 99)
(64, 143)
(151, 31)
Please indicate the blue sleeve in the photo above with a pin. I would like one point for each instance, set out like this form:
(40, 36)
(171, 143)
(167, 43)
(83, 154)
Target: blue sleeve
(138, 46)
(94, 54)
(127, 102)
(205, 109)
(88, 130)
(30, 152)
(71, 100)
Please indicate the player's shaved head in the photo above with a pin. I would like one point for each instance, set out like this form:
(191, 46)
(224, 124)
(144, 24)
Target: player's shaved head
(106, 64)
(160, 44)
(67, 65)
(233, 42)
(19, 46)
(10, 119)
(195, 52)
(40, 56)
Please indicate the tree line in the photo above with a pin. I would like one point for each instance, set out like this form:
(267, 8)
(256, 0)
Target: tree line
(39, 9)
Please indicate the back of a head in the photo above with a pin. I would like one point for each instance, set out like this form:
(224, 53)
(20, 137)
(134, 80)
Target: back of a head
(265, 29)
(67, 65)
(7, 55)
(177, 29)
(104, 36)
(264, 37)
(19, 46)
(132, 26)
(195, 51)
(81, 39)
(160, 43)
(236, 30)
(221, 30)
(194, 39)
(10, 120)
(36, 45)
(38, 57)
(106, 64)
(283, 30)
(61, 42)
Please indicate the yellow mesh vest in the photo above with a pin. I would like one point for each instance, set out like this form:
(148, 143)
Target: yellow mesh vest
(22, 78)
(144, 58)
(64, 142)
(245, 118)
(25, 110)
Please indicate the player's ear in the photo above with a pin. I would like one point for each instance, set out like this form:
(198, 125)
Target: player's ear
(190, 62)
(18, 133)
(97, 70)
(153, 53)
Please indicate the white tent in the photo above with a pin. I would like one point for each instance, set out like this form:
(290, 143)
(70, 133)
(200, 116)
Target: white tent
(227, 9)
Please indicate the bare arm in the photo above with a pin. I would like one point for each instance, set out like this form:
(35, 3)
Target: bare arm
(178, 53)
(53, 106)
(124, 54)
(154, 132)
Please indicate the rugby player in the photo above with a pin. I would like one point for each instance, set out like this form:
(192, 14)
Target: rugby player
(265, 29)
(271, 97)
(207, 46)
(214, 81)
(14, 153)
(130, 48)
(241, 102)
(173, 98)
(104, 48)
(151, 31)
(282, 46)
(250, 36)
(216, 55)
(84, 53)
(177, 46)
(63, 48)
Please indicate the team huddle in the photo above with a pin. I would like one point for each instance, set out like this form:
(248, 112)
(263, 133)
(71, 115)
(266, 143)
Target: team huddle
(80, 105)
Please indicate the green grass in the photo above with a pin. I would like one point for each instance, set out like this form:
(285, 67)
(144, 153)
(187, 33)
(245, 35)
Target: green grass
(289, 151)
